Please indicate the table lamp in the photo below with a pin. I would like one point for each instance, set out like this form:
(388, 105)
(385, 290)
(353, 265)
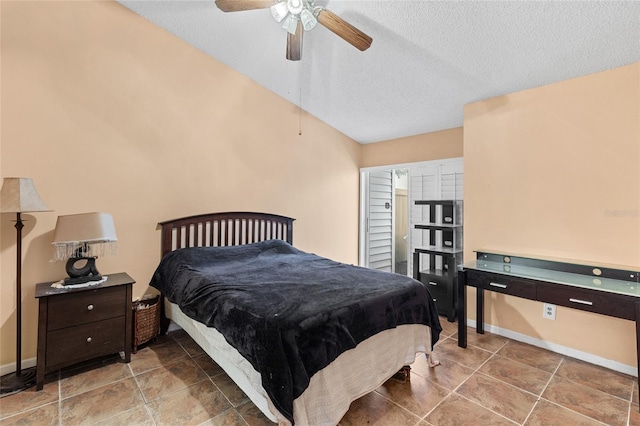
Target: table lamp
(18, 195)
(81, 238)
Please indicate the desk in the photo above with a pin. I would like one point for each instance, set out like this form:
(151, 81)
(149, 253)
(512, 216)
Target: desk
(602, 289)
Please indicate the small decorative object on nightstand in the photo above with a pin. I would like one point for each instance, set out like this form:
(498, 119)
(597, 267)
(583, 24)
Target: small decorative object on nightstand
(78, 324)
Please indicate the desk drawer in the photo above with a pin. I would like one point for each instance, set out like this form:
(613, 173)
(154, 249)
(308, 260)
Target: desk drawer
(67, 310)
(68, 345)
(502, 284)
(592, 301)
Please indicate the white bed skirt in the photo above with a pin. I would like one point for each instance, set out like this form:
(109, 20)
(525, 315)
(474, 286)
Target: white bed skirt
(353, 374)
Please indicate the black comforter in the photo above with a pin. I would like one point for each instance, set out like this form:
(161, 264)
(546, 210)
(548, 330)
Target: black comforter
(289, 313)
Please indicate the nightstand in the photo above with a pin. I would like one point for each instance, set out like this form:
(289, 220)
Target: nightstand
(78, 324)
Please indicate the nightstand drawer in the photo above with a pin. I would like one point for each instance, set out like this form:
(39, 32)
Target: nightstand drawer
(502, 284)
(440, 298)
(593, 301)
(86, 307)
(437, 284)
(85, 341)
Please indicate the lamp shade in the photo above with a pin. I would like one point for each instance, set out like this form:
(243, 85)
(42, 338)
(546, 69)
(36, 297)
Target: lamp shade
(92, 233)
(84, 228)
(19, 195)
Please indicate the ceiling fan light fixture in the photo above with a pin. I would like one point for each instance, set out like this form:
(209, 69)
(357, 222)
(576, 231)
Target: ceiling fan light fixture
(309, 21)
(279, 11)
(290, 24)
(295, 6)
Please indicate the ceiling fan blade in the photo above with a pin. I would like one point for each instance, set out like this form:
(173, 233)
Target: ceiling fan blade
(294, 44)
(240, 5)
(345, 30)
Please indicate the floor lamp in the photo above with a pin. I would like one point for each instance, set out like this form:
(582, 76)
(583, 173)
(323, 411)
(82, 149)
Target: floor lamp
(18, 195)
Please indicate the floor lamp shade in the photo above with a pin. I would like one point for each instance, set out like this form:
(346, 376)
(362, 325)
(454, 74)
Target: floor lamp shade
(19, 195)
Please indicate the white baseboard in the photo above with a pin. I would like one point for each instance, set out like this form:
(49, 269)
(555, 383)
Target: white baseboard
(563, 350)
(10, 368)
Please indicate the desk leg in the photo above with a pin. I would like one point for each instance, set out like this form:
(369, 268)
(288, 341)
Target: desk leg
(462, 309)
(479, 310)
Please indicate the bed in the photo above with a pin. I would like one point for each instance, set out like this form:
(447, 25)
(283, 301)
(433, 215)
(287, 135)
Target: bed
(303, 336)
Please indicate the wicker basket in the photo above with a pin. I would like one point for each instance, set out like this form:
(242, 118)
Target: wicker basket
(146, 321)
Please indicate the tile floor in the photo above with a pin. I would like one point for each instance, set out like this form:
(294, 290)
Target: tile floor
(495, 381)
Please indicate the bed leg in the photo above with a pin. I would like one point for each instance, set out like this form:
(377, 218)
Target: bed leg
(164, 321)
(431, 360)
(403, 375)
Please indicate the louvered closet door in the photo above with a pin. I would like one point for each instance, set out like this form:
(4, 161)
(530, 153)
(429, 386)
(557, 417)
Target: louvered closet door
(436, 180)
(451, 182)
(380, 230)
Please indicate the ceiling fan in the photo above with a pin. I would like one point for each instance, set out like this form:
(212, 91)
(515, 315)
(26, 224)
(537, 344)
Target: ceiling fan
(299, 15)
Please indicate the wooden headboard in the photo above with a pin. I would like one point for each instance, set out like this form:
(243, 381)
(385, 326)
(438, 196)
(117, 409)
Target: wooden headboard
(224, 229)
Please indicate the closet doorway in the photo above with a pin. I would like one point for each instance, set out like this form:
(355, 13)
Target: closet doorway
(386, 216)
(385, 220)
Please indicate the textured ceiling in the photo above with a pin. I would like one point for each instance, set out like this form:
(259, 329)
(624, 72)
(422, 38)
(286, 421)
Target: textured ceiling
(428, 58)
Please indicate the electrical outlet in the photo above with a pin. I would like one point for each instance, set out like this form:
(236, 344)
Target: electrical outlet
(549, 311)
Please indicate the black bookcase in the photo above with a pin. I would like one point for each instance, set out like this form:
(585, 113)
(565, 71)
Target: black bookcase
(436, 261)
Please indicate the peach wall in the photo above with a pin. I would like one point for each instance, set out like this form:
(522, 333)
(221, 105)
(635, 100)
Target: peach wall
(107, 112)
(555, 171)
(411, 149)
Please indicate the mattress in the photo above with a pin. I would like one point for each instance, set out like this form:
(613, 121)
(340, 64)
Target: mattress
(351, 375)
